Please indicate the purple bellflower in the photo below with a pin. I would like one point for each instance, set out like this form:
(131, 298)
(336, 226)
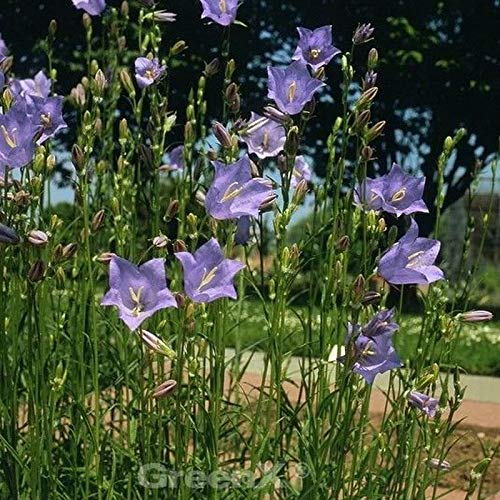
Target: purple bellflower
(16, 137)
(427, 404)
(395, 193)
(243, 230)
(223, 12)
(8, 235)
(176, 158)
(264, 137)
(91, 7)
(291, 88)
(411, 260)
(138, 292)
(301, 170)
(29, 87)
(371, 346)
(147, 71)
(207, 274)
(315, 47)
(234, 192)
(46, 115)
(4, 52)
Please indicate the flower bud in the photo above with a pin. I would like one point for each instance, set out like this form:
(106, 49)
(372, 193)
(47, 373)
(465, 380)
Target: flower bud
(275, 114)
(366, 97)
(179, 246)
(98, 220)
(86, 21)
(178, 47)
(292, 141)
(372, 58)
(36, 271)
(180, 299)
(69, 251)
(375, 131)
(359, 286)
(165, 389)
(300, 192)
(105, 257)
(363, 34)
(8, 235)
(370, 297)
(212, 68)
(77, 157)
(50, 163)
(173, 208)
(474, 316)
(163, 16)
(52, 27)
(343, 243)
(38, 238)
(362, 120)
(160, 241)
(127, 82)
(367, 153)
(222, 135)
(100, 82)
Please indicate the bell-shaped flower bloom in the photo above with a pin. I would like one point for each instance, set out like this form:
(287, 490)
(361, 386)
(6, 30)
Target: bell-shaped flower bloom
(395, 193)
(264, 137)
(137, 291)
(222, 12)
(8, 235)
(234, 192)
(38, 86)
(424, 403)
(291, 88)
(147, 71)
(411, 260)
(207, 274)
(91, 7)
(46, 115)
(370, 346)
(16, 137)
(301, 170)
(315, 47)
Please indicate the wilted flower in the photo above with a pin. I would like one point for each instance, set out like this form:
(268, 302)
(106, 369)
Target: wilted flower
(223, 12)
(207, 274)
(370, 346)
(301, 170)
(16, 137)
(411, 260)
(474, 316)
(264, 137)
(291, 87)
(29, 87)
(8, 235)
(234, 193)
(427, 404)
(147, 71)
(91, 7)
(395, 193)
(138, 292)
(315, 47)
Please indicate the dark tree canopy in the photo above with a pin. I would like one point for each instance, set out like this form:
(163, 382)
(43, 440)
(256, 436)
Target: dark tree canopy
(439, 68)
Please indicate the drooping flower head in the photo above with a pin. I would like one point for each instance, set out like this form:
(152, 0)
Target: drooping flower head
(395, 193)
(223, 12)
(46, 115)
(411, 260)
(301, 170)
(426, 404)
(234, 192)
(371, 346)
(138, 292)
(315, 47)
(147, 71)
(16, 137)
(207, 274)
(38, 86)
(264, 137)
(91, 7)
(291, 88)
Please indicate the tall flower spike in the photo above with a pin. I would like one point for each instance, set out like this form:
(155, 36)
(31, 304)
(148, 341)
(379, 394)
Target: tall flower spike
(91, 7)
(207, 274)
(411, 260)
(138, 292)
(264, 137)
(291, 88)
(315, 47)
(234, 193)
(223, 12)
(395, 193)
(147, 71)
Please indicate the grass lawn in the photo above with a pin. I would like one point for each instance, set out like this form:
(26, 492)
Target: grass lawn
(478, 350)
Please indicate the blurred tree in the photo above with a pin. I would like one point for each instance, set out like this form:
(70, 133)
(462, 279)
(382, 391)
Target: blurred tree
(439, 69)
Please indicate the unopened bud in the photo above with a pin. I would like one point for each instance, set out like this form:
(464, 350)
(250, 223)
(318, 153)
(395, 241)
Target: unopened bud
(160, 241)
(275, 114)
(36, 271)
(178, 47)
(100, 82)
(367, 153)
(38, 238)
(179, 246)
(212, 68)
(372, 58)
(77, 157)
(98, 220)
(292, 141)
(86, 21)
(362, 120)
(375, 131)
(300, 191)
(370, 297)
(343, 243)
(359, 286)
(165, 389)
(366, 97)
(105, 257)
(474, 316)
(127, 82)
(69, 251)
(53, 27)
(222, 135)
